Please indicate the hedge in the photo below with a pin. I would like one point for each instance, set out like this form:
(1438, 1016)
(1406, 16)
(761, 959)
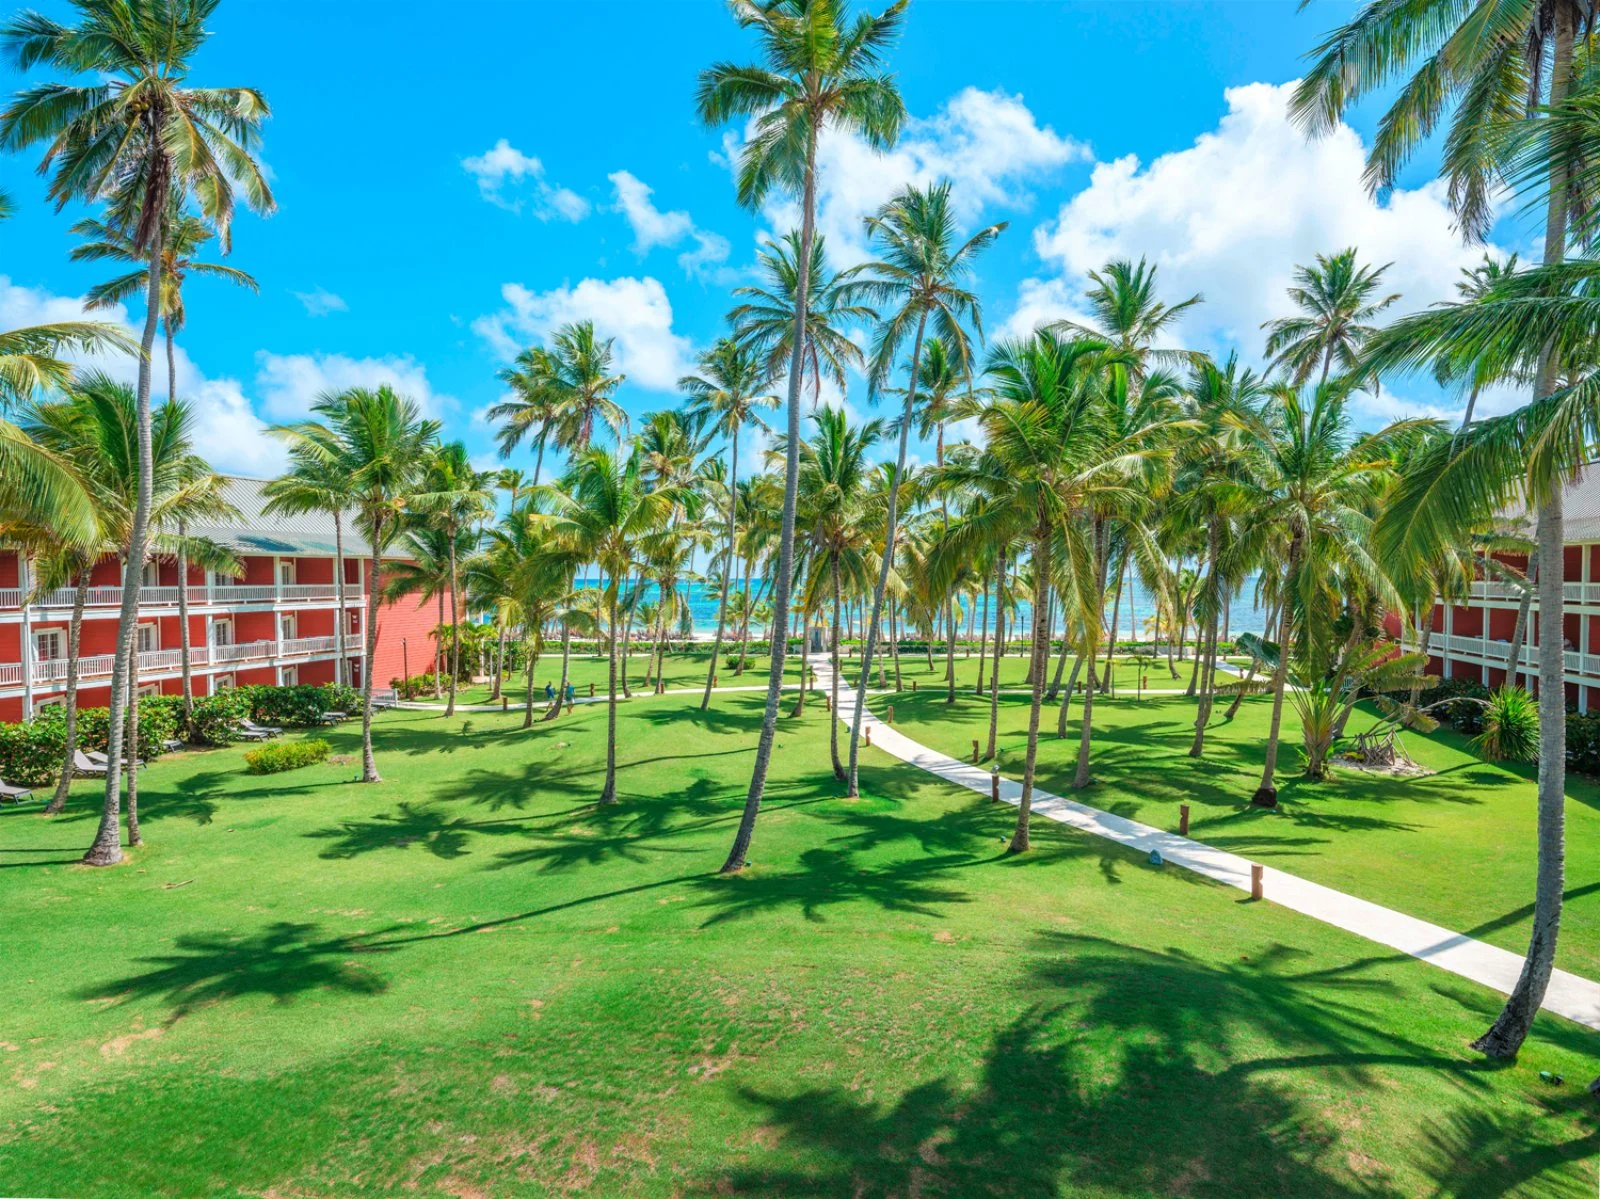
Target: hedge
(288, 755)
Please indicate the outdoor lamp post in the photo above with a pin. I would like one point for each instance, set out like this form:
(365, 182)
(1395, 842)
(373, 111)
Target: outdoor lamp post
(405, 667)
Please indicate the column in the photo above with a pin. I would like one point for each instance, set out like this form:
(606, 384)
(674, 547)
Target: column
(25, 582)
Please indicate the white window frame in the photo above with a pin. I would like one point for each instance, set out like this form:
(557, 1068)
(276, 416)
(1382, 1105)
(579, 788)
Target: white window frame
(151, 575)
(286, 572)
(149, 689)
(222, 682)
(57, 635)
(288, 626)
(155, 635)
(225, 622)
(291, 676)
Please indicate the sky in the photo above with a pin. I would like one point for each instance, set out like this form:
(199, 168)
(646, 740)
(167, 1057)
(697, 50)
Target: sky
(453, 184)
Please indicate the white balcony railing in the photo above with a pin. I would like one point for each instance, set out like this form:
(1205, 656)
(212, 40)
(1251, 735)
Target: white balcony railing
(1574, 593)
(1496, 653)
(167, 597)
(166, 661)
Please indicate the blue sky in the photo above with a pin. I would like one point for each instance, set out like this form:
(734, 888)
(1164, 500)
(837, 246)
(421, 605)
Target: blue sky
(453, 184)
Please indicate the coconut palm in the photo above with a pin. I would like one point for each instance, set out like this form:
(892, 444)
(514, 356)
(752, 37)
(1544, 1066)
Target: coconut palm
(729, 393)
(379, 441)
(562, 391)
(1338, 299)
(95, 429)
(421, 571)
(821, 71)
(602, 513)
(922, 273)
(140, 138)
(313, 484)
(455, 497)
(765, 317)
(1129, 317)
(185, 234)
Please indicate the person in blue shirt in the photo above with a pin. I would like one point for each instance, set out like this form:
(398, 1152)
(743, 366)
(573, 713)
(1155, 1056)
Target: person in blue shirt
(549, 691)
(571, 691)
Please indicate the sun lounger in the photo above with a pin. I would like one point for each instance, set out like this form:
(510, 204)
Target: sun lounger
(99, 759)
(84, 764)
(171, 744)
(267, 730)
(10, 794)
(334, 717)
(244, 734)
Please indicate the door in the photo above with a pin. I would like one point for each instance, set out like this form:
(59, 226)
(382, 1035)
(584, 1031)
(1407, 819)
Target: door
(222, 632)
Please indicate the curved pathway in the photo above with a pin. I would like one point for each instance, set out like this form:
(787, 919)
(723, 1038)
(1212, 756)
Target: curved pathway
(1568, 995)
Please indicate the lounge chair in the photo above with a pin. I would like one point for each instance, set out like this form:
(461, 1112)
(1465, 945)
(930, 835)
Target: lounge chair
(244, 734)
(84, 764)
(11, 794)
(266, 730)
(95, 756)
(331, 718)
(172, 744)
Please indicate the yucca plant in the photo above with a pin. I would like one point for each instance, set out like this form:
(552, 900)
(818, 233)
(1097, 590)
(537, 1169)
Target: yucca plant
(1510, 727)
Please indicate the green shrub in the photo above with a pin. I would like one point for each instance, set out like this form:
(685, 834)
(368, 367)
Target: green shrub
(31, 754)
(298, 707)
(216, 718)
(1510, 727)
(287, 755)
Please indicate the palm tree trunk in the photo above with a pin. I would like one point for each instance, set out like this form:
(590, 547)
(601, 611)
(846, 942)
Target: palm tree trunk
(1038, 664)
(1066, 698)
(791, 478)
(438, 651)
(106, 849)
(369, 764)
(1109, 682)
(527, 707)
(728, 563)
(1266, 795)
(608, 793)
(455, 625)
(833, 706)
(994, 682)
(1424, 644)
(1510, 1029)
(890, 518)
(341, 666)
(80, 597)
(1524, 619)
(744, 622)
(184, 650)
(566, 662)
(499, 662)
(983, 634)
(1208, 670)
(1066, 648)
(134, 836)
(538, 462)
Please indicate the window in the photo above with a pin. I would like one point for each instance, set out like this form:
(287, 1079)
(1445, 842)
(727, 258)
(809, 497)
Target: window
(149, 638)
(287, 626)
(291, 676)
(222, 632)
(352, 622)
(49, 645)
(286, 571)
(151, 575)
(44, 705)
(149, 688)
(223, 682)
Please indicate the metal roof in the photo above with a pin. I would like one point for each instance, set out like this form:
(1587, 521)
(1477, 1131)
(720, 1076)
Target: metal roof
(259, 532)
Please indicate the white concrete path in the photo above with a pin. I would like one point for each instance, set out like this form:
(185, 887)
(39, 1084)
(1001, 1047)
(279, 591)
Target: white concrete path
(1568, 995)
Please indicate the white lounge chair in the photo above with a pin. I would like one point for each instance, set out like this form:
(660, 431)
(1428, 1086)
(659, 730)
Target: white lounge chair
(94, 755)
(266, 730)
(244, 734)
(11, 794)
(332, 718)
(84, 764)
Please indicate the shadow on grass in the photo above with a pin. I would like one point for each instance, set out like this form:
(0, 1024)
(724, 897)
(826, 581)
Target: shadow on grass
(829, 877)
(440, 835)
(281, 961)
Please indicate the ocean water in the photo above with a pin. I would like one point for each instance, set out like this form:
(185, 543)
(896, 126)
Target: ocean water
(1244, 617)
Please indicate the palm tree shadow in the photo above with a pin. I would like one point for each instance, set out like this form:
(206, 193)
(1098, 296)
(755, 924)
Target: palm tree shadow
(440, 835)
(829, 877)
(281, 961)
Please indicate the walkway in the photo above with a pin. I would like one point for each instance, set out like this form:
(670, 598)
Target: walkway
(1568, 995)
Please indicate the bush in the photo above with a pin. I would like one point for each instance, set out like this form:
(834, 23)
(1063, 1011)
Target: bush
(1463, 717)
(31, 754)
(1510, 727)
(216, 718)
(288, 755)
(298, 707)
(1583, 742)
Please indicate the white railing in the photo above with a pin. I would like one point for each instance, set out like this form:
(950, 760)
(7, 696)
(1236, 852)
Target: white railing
(1495, 653)
(1575, 593)
(166, 597)
(299, 647)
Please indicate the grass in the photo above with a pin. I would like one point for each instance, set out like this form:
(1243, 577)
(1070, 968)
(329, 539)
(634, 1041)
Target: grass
(469, 980)
(1455, 847)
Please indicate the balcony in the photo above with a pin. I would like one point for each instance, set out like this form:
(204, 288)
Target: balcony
(221, 594)
(169, 661)
(1494, 653)
(1574, 593)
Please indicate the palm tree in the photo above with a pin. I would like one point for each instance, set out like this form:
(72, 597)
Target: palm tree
(422, 571)
(1129, 317)
(1338, 299)
(378, 440)
(1475, 284)
(455, 497)
(313, 484)
(141, 139)
(822, 71)
(839, 540)
(922, 272)
(95, 429)
(185, 234)
(1495, 65)
(561, 392)
(765, 318)
(729, 392)
(602, 513)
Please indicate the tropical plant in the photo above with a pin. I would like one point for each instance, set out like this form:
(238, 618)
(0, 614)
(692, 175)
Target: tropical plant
(922, 273)
(821, 71)
(1338, 299)
(1510, 727)
(314, 484)
(140, 138)
(561, 391)
(455, 497)
(378, 440)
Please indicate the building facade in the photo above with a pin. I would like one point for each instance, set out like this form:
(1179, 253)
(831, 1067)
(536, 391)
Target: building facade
(1473, 638)
(277, 621)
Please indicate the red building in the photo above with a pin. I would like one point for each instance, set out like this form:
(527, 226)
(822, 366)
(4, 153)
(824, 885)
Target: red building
(1472, 639)
(276, 622)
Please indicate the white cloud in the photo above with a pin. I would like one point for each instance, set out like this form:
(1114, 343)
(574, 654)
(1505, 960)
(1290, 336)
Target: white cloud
(989, 145)
(290, 383)
(652, 227)
(1231, 215)
(227, 432)
(502, 168)
(634, 311)
(320, 302)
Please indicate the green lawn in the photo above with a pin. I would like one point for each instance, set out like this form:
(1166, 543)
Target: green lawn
(470, 981)
(1455, 847)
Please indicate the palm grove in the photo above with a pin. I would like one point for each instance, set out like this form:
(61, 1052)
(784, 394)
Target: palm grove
(1104, 457)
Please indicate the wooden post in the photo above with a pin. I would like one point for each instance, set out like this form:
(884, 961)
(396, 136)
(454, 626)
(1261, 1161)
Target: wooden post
(827, 703)
(994, 786)
(591, 690)
(974, 750)
(869, 734)
(913, 684)
(890, 719)
(1183, 820)
(1256, 871)
(505, 702)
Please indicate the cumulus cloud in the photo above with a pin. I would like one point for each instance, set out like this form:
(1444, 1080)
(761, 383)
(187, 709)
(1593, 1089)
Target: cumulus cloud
(636, 312)
(503, 170)
(988, 144)
(320, 302)
(290, 383)
(227, 431)
(1231, 215)
(652, 227)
